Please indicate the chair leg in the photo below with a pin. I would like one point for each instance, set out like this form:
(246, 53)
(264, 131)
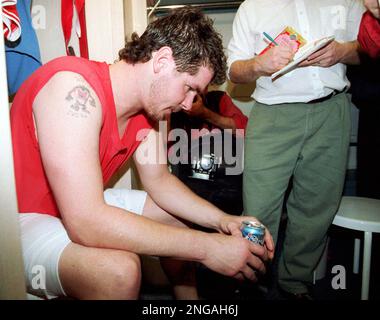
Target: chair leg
(366, 264)
(356, 256)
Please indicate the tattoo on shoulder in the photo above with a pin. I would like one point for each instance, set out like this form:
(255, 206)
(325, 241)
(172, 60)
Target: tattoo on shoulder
(81, 101)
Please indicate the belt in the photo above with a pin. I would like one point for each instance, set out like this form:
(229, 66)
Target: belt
(319, 100)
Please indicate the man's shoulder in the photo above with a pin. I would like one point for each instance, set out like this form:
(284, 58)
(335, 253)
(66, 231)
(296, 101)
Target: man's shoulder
(69, 59)
(67, 88)
(70, 63)
(248, 3)
(68, 69)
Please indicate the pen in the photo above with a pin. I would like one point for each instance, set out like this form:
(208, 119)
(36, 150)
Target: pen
(270, 38)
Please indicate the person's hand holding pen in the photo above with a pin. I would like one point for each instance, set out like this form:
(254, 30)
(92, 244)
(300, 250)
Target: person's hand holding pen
(275, 58)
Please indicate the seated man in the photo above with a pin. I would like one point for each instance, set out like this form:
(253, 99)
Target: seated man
(74, 123)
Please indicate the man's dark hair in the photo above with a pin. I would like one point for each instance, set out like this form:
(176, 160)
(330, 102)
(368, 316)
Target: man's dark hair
(190, 35)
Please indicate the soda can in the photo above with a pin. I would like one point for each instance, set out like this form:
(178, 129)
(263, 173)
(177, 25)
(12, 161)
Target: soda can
(253, 231)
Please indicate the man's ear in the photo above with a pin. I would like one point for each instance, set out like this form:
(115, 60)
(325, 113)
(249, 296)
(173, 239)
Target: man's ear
(162, 58)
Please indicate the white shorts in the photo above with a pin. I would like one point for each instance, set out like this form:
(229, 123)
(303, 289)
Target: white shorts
(43, 239)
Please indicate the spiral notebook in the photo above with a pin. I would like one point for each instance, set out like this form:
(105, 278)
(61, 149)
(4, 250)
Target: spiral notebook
(302, 54)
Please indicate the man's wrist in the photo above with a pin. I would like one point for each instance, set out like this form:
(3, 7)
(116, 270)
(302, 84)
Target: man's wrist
(349, 53)
(223, 222)
(205, 114)
(246, 71)
(201, 241)
(257, 67)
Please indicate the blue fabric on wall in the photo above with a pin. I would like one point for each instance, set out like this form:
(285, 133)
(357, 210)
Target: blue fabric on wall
(23, 57)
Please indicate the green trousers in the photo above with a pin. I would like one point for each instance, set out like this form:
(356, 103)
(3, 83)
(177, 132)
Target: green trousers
(308, 142)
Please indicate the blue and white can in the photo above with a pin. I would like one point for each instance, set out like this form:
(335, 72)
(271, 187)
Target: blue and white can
(253, 231)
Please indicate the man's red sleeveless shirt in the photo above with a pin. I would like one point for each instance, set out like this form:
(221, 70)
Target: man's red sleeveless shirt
(33, 191)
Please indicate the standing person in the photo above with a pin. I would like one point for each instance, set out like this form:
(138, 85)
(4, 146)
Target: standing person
(299, 126)
(74, 123)
(369, 32)
(365, 90)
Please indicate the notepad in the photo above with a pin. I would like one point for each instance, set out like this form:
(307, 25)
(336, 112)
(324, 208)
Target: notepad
(288, 36)
(302, 54)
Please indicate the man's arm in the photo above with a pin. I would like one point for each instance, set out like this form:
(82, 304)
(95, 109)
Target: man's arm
(173, 196)
(374, 7)
(228, 108)
(68, 121)
(168, 191)
(218, 120)
(246, 71)
(199, 110)
(245, 65)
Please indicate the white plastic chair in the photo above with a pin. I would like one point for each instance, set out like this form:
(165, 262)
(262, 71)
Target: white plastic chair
(361, 214)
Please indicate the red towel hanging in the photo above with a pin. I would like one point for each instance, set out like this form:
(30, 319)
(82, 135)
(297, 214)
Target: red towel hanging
(67, 13)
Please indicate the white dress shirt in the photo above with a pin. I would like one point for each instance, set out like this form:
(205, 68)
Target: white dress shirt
(313, 19)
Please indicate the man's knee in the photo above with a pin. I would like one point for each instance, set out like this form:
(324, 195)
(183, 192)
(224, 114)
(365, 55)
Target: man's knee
(124, 277)
(88, 273)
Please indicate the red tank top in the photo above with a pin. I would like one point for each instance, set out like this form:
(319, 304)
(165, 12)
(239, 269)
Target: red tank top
(33, 191)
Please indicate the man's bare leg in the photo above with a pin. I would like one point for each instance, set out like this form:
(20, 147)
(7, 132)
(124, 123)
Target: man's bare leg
(95, 273)
(181, 274)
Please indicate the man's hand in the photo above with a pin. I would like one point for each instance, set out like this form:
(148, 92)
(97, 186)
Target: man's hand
(335, 52)
(374, 7)
(325, 57)
(235, 256)
(246, 71)
(231, 225)
(274, 59)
